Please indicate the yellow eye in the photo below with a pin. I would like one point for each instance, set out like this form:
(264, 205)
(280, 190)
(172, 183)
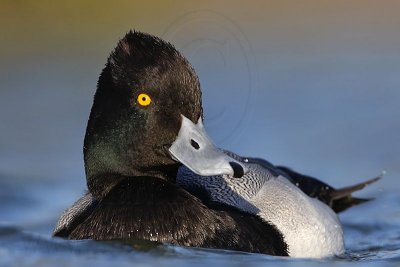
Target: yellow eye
(144, 100)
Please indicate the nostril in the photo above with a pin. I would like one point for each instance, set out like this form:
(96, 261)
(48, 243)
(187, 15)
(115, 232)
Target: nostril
(194, 144)
(238, 171)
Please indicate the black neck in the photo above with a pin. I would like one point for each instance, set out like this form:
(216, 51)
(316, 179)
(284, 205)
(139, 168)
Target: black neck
(100, 185)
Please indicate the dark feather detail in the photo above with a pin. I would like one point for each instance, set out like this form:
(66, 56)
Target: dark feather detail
(73, 216)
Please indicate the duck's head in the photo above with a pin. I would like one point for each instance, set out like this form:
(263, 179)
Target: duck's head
(146, 118)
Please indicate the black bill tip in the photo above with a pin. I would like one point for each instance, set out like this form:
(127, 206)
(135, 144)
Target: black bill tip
(238, 171)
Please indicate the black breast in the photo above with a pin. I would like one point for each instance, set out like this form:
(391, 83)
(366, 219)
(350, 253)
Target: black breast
(153, 209)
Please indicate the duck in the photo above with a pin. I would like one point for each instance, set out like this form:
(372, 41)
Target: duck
(144, 134)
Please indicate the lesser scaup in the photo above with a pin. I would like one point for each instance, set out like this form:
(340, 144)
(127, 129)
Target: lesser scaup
(146, 121)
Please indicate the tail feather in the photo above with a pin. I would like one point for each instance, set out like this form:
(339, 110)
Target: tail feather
(341, 199)
(346, 191)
